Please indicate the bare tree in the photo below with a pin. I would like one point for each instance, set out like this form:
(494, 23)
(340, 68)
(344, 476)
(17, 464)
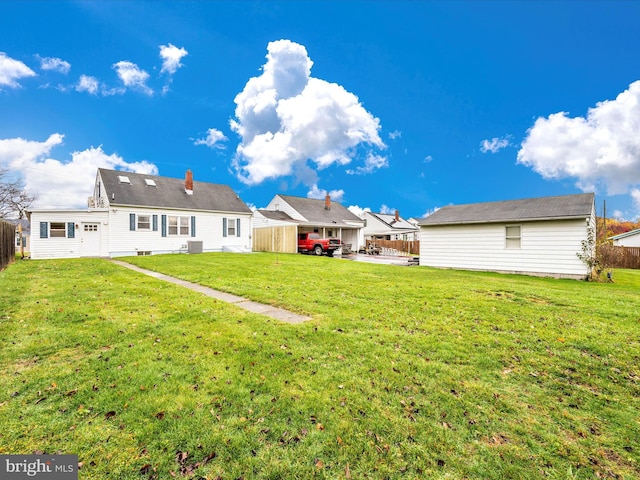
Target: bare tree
(14, 200)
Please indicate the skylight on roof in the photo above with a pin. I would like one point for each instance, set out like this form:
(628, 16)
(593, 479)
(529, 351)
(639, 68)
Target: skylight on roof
(150, 183)
(124, 179)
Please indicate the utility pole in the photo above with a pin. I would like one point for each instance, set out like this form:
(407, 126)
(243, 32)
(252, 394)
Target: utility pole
(604, 220)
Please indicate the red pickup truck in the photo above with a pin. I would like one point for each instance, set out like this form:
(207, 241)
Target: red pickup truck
(313, 243)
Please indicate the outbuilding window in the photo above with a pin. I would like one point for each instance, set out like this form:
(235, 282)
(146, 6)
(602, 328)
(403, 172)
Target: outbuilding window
(513, 236)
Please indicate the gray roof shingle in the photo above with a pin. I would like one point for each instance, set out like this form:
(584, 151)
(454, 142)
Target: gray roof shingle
(315, 212)
(277, 215)
(544, 208)
(169, 193)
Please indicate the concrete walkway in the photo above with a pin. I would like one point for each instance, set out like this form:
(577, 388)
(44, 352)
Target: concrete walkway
(255, 307)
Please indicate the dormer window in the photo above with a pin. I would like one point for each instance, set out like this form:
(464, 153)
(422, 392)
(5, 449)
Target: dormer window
(149, 182)
(124, 179)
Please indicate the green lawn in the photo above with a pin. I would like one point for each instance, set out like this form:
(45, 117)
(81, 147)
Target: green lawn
(403, 372)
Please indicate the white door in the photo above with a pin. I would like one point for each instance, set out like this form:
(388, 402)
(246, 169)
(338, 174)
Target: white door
(90, 240)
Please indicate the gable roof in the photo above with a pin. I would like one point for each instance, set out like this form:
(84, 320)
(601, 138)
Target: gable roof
(544, 208)
(276, 215)
(168, 193)
(314, 211)
(630, 233)
(390, 221)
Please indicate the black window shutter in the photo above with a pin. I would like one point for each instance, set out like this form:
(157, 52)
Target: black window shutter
(193, 225)
(224, 227)
(71, 230)
(238, 228)
(44, 229)
(154, 219)
(164, 226)
(132, 221)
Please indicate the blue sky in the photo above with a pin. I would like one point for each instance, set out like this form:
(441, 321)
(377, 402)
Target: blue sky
(384, 105)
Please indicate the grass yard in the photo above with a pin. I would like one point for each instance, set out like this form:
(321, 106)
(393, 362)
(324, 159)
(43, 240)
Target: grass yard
(403, 372)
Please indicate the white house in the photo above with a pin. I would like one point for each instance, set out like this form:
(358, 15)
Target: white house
(276, 227)
(538, 236)
(138, 214)
(627, 239)
(383, 226)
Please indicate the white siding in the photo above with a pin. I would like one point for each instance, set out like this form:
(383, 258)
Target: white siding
(278, 204)
(547, 248)
(630, 241)
(58, 247)
(209, 230)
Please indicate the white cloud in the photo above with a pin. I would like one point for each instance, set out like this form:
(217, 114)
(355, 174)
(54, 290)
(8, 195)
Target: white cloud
(386, 210)
(599, 150)
(171, 56)
(54, 64)
(87, 84)
(430, 212)
(56, 183)
(355, 209)
(428, 159)
(495, 144)
(371, 164)
(320, 193)
(213, 139)
(285, 117)
(395, 134)
(12, 70)
(635, 195)
(132, 76)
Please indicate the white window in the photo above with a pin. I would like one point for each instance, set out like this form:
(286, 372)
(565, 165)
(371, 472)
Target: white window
(90, 227)
(124, 179)
(144, 222)
(149, 182)
(178, 225)
(513, 236)
(58, 229)
(231, 227)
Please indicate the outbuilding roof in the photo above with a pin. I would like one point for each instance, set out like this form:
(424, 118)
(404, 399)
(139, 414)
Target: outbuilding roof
(141, 190)
(530, 209)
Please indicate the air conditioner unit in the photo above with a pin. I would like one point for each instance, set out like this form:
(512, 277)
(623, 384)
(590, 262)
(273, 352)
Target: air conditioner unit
(194, 247)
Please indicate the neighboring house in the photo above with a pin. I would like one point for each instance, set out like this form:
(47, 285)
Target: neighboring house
(627, 239)
(382, 226)
(276, 227)
(23, 237)
(138, 214)
(537, 236)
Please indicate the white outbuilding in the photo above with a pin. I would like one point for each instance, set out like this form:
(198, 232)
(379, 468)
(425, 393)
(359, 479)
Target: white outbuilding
(536, 236)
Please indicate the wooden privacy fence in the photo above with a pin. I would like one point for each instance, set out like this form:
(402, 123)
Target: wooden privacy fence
(275, 239)
(624, 257)
(7, 243)
(411, 247)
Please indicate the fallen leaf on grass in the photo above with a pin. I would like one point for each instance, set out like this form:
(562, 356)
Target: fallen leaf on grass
(109, 415)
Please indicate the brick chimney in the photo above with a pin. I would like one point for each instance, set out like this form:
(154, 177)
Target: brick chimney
(397, 216)
(188, 183)
(327, 202)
